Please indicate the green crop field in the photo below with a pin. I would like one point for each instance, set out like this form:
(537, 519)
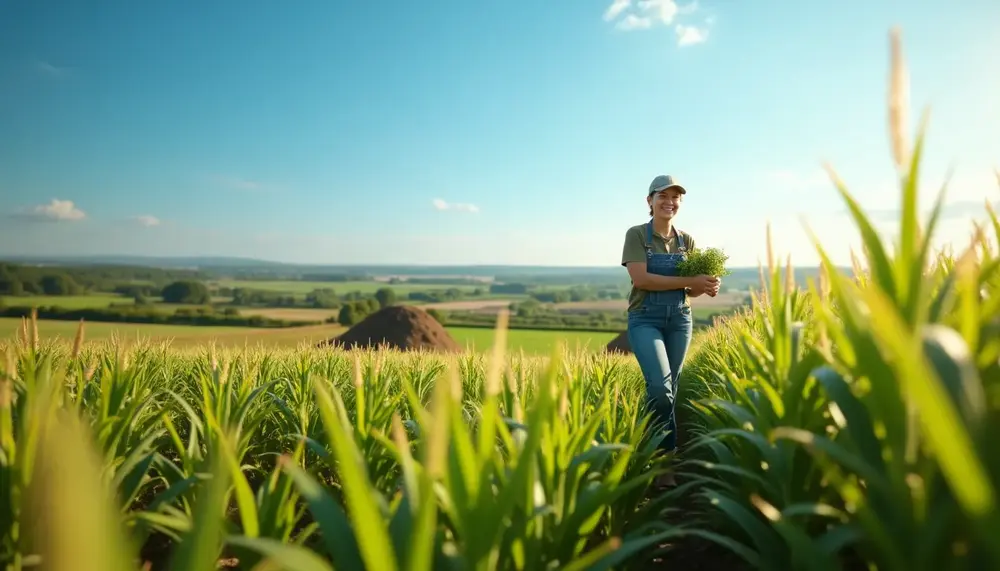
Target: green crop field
(532, 341)
(65, 301)
(845, 423)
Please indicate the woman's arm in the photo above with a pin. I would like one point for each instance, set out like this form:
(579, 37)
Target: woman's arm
(653, 282)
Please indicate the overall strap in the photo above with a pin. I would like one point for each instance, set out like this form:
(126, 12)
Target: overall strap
(680, 239)
(649, 237)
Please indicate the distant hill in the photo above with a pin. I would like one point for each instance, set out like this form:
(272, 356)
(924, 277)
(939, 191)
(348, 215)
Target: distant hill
(250, 268)
(144, 261)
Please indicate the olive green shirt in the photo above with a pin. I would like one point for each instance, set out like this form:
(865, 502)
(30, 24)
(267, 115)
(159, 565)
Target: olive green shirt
(634, 251)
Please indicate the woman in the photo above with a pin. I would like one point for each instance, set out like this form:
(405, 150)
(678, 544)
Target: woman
(659, 315)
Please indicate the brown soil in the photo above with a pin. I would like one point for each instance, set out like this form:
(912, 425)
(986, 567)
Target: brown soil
(620, 344)
(397, 327)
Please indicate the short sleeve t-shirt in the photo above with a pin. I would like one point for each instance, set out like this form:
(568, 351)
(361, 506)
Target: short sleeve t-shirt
(634, 251)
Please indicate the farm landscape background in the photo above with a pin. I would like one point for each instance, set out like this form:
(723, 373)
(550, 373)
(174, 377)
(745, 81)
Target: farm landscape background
(236, 302)
(843, 418)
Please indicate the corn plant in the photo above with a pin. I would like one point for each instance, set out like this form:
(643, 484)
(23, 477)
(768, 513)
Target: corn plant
(333, 459)
(892, 397)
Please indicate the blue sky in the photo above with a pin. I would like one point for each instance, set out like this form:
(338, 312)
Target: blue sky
(519, 132)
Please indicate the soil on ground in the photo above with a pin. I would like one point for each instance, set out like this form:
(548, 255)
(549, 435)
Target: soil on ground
(620, 344)
(400, 327)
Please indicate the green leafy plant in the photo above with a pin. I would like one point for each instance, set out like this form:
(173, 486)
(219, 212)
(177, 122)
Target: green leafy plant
(849, 425)
(704, 262)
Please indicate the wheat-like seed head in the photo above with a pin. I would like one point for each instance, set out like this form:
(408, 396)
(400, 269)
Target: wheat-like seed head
(762, 298)
(499, 350)
(34, 328)
(789, 275)
(358, 377)
(78, 341)
(899, 101)
(856, 265)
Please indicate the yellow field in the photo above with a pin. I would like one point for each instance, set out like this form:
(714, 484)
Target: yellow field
(179, 335)
(290, 313)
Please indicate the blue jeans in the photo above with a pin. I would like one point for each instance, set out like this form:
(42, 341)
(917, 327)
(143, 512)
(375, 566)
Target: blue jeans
(660, 336)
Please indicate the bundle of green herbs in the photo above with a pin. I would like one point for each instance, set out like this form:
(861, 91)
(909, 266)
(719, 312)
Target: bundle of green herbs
(704, 262)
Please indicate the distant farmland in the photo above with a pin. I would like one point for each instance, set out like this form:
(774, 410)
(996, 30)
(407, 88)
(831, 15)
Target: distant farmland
(295, 287)
(721, 301)
(185, 336)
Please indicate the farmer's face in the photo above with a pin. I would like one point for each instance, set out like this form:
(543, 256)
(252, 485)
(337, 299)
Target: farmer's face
(665, 203)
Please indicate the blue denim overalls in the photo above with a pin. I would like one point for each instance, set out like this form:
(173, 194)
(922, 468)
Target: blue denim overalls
(659, 332)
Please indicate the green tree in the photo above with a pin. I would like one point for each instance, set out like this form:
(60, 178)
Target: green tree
(438, 315)
(58, 284)
(10, 282)
(186, 291)
(385, 297)
(348, 315)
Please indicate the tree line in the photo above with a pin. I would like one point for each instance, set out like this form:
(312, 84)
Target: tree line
(202, 315)
(20, 279)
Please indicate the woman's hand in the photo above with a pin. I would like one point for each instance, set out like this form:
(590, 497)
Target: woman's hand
(714, 290)
(704, 284)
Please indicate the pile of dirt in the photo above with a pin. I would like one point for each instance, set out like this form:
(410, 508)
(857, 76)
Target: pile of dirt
(397, 327)
(620, 344)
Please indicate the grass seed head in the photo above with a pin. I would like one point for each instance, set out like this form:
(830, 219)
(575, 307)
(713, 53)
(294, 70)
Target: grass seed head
(78, 341)
(899, 101)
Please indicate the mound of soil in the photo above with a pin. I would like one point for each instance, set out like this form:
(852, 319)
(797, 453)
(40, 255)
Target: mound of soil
(397, 327)
(619, 344)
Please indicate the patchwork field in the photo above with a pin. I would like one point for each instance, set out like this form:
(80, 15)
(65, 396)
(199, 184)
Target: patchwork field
(290, 313)
(721, 301)
(482, 305)
(294, 287)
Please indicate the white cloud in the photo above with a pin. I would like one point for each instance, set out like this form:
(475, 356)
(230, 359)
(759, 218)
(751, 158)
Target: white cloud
(633, 22)
(664, 10)
(615, 9)
(57, 210)
(690, 35)
(148, 220)
(462, 207)
(646, 14)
